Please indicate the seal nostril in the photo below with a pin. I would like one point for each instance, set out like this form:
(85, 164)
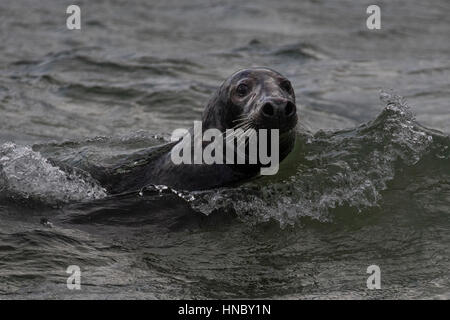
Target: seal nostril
(268, 110)
(289, 109)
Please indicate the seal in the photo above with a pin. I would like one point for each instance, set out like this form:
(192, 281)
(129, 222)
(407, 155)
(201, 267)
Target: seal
(259, 98)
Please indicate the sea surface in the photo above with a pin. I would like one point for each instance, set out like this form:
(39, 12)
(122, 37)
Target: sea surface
(368, 182)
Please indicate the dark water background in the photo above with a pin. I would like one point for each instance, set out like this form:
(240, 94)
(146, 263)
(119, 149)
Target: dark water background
(368, 184)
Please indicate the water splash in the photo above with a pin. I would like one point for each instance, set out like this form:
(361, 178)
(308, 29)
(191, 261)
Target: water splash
(162, 190)
(26, 174)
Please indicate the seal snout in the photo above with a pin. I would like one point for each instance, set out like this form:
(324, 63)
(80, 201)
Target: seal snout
(278, 113)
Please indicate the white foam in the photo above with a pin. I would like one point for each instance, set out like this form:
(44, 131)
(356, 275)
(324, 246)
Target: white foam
(25, 173)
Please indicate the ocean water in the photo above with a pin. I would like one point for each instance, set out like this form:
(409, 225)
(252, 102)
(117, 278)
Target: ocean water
(368, 182)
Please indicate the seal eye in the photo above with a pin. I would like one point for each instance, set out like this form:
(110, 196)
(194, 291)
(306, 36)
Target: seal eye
(242, 89)
(286, 86)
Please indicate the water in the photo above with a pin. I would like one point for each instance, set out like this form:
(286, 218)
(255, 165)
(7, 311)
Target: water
(368, 181)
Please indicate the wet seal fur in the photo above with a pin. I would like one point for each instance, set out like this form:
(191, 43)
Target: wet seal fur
(261, 96)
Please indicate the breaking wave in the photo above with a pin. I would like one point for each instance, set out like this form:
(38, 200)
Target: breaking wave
(327, 170)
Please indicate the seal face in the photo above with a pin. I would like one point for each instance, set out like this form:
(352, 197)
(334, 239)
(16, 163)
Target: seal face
(259, 98)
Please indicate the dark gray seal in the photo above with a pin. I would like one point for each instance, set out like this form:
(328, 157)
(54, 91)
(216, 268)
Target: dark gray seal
(260, 97)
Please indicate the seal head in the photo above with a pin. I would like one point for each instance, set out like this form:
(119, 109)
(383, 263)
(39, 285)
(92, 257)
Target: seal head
(261, 96)
(255, 98)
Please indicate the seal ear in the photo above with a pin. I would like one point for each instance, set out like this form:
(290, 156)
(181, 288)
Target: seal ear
(218, 113)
